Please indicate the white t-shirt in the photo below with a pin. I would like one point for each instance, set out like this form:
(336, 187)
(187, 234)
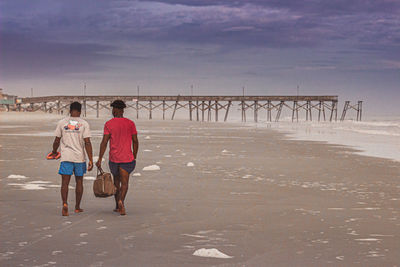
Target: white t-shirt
(72, 131)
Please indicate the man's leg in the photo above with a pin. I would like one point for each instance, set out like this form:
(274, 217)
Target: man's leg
(78, 193)
(117, 183)
(124, 177)
(64, 193)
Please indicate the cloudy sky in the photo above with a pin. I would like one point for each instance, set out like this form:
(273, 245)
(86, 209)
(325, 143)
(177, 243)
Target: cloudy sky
(346, 47)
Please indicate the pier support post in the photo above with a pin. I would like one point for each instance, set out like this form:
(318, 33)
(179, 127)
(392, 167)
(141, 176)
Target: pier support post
(336, 104)
(97, 109)
(216, 110)
(190, 110)
(202, 110)
(150, 110)
(163, 110)
(319, 110)
(269, 115)
(209, 111)
(84, 108)
(278, 114)
(333, 111)
(244, 111)
(359, 111)
(197, 110)
(176, 106)
(346, 104)
(227, 110)
(137, 109)
(294, 110)
(256, 111)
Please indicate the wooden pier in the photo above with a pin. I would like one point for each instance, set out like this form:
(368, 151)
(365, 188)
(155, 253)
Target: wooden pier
(200, 108)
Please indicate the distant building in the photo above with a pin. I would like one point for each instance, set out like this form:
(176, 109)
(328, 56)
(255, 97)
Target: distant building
(7, 101)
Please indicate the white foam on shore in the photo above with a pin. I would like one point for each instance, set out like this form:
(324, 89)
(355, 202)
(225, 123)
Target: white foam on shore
(136, 174)
(152, 168)
(190, 164)
(147, 138)
(16, 176)
(90, 178)
(211, 253)
(39, 182)
(372, 138)
(147, 150)
(28, 186)
(368, 239)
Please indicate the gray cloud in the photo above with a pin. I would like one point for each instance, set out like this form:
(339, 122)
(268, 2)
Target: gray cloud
(217, 42)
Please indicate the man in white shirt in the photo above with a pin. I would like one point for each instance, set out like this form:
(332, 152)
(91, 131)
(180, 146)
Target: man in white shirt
(73, 133)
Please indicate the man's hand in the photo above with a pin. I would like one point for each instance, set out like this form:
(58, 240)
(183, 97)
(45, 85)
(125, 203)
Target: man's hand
(90, 165)
(98, 163)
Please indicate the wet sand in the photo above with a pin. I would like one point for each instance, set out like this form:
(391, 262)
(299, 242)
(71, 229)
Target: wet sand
(251, 194)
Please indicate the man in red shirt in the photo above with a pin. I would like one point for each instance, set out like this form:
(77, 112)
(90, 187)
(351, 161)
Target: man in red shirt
(123, 151)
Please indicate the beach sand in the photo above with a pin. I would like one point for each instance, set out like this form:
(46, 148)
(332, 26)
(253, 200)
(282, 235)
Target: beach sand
(249, 193)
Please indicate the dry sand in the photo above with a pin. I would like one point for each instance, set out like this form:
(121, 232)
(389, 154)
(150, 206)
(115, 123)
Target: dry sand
(250, 195)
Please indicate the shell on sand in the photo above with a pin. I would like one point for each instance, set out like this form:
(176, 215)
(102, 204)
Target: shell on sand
(152, 168)
(211, 253)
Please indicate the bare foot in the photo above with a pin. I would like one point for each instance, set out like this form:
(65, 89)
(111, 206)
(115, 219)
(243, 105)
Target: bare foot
(78, 210)
(121, 208)
(64, 211)
(116, 210)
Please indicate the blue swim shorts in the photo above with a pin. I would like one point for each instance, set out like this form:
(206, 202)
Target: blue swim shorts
(69, 168)
(127, 166)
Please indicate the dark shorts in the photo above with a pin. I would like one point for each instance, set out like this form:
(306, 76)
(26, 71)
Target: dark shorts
(127, 166)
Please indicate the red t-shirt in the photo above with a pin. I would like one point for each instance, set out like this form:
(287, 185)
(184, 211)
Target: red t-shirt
(120, 131)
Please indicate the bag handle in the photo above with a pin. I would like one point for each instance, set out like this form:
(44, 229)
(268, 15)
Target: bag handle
(99, 169)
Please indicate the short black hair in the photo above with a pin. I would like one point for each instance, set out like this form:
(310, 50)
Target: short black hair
(75, 106)
(118, 104)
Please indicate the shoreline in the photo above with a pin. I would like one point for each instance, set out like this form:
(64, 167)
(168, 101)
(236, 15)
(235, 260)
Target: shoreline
(335, 133)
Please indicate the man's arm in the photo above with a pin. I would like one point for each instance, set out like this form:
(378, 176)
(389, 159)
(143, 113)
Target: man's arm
(89, 151)
(135, 145)
(56, 144)
(103, 147)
